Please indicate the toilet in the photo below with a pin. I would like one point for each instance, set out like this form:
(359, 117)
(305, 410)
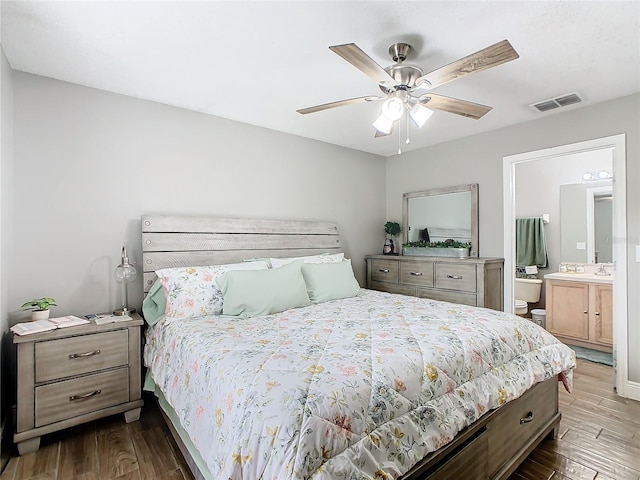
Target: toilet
(526, 290)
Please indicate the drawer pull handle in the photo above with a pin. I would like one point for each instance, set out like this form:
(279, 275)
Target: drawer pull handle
(585, 312)
(417, 274)
(455, 277)
(383, 270)
(527, 419)
(84, 395)
(83, 355)
(598, 314)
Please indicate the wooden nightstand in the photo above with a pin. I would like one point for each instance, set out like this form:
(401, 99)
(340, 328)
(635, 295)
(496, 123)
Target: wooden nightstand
(74, 375)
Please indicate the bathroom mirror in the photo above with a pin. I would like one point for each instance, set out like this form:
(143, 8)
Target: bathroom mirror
(586, 222)
(449, 212)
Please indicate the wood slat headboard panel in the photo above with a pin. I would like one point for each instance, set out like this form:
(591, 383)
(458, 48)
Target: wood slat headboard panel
(181, 241)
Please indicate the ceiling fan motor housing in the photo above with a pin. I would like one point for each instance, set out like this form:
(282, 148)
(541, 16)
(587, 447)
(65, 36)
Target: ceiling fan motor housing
(405, 75)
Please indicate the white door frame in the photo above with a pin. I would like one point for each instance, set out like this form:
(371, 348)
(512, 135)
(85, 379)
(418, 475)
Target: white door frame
(620, 333)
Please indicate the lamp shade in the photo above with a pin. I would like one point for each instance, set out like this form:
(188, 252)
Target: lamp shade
(420, 114)
(383, 124)
(393, 108)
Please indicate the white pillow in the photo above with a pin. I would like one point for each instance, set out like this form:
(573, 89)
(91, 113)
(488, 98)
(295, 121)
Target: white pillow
(324, 258)
(193, 292)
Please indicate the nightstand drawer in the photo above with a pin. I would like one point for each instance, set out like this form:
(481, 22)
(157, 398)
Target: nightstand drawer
(83, 354)
(70, 398)
(456, 277)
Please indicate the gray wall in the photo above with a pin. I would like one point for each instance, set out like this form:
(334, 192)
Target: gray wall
(6, 167)
(89, 163)
(479, 159)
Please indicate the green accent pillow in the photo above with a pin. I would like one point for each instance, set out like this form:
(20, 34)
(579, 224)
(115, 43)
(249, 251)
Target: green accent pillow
(251, 293)
(330, 281)
(154, 304)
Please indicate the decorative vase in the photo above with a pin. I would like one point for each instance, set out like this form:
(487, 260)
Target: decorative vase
(40, 314)
(387, 249)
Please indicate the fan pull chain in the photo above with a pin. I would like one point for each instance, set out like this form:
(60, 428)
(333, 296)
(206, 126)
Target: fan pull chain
(399, 149)
(408, 140)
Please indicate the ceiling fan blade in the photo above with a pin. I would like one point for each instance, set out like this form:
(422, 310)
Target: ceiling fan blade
(492, 56)
(363, 62)
(339, 103)
(455, 105)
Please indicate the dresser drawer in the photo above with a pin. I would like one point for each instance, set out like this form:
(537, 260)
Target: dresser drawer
(393, 288)
(456, 277)
(67, 399)
(416, 273)
(448, 296)
(71, 356)
(384, 271)
(527, 414)
(469, 463)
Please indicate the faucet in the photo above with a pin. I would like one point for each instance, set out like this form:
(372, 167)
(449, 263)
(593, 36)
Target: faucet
(601, 270)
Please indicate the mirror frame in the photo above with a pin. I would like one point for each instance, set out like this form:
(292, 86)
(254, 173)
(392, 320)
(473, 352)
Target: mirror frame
(472, 187)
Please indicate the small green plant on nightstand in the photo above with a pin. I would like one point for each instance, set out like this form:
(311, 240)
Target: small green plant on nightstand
(39, 307)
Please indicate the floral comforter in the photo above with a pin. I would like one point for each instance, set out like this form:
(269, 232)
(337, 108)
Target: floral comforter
(358, 388)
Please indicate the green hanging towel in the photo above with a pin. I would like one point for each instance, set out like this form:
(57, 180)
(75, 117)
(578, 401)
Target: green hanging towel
(531, 246)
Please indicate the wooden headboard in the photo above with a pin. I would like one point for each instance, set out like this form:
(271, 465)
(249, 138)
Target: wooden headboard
(182, 241)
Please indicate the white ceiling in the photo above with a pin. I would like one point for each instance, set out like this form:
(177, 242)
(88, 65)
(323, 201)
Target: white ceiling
(257, 62)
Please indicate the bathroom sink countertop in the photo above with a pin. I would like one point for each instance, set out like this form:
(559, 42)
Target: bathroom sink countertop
(580, 277)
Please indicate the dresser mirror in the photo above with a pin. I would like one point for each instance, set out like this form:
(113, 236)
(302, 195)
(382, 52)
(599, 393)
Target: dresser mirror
(439, 214)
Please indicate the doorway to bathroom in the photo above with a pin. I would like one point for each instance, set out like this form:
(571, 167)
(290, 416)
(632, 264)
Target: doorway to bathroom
(532, 183)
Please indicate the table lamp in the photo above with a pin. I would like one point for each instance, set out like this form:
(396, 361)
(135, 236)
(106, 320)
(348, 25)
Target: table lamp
(124, 274)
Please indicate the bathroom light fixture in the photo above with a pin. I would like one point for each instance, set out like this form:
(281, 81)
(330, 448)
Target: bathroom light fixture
(125, 273)
(599, 175)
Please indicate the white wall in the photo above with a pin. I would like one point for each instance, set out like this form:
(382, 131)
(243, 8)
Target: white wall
(89, 163)
(6, 167)
(478, 159)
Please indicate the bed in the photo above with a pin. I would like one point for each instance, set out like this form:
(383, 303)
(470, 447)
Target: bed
(355, 385)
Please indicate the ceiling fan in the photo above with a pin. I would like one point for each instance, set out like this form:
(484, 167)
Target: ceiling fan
(407, 89)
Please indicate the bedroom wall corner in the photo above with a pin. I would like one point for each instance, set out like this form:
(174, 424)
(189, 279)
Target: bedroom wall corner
(6, 185)
(111, 158)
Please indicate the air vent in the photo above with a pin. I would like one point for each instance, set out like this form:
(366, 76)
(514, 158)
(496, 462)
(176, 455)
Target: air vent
(562, 101)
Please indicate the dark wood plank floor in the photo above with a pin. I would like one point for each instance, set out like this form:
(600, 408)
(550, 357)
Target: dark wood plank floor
(599, 439)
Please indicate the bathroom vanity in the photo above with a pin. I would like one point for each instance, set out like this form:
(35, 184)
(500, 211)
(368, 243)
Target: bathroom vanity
(580, 309)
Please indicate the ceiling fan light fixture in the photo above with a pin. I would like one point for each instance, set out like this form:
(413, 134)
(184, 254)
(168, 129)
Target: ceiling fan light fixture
(420, 114)
(393, 108)
(383, 124)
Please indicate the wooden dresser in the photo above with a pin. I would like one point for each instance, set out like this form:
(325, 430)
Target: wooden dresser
(470, 281)
(73, 375)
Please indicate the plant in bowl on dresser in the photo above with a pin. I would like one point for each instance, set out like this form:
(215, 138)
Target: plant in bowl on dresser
(445, 248)
(39, 307)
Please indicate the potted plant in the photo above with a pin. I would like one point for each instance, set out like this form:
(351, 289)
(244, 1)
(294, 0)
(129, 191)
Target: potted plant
(39, 307)
(392, 229)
